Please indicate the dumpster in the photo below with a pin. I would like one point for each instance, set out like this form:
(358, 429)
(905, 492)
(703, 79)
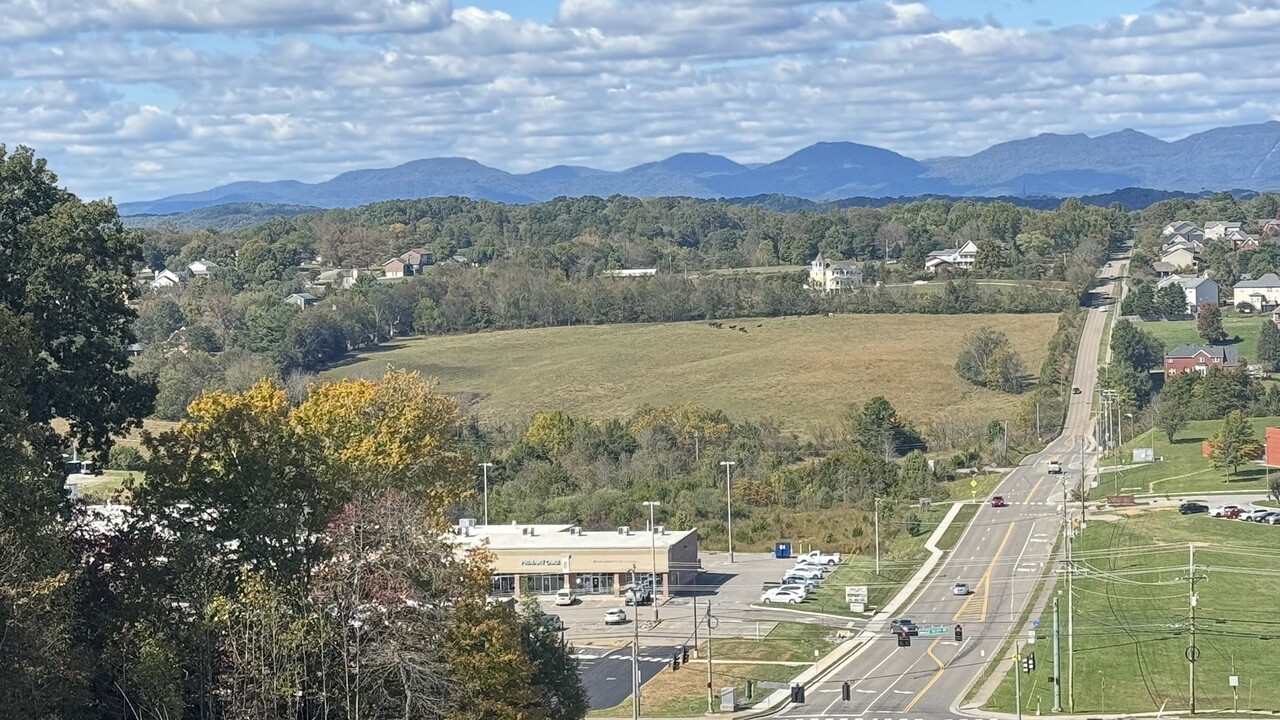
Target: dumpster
(782, 549)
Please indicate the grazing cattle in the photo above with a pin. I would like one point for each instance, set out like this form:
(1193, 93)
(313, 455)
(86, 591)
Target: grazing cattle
(733, 327)
(742, 329)
(759, 324)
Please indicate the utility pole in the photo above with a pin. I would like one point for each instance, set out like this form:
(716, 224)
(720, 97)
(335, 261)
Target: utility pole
(653, 555)
(877, 536)
(1057, 663)
(696, 453)
(710, 693)
(696, 622)
(1071, 628)
(1192, 650)
(635, 669)
(1038, 436)
(485, 466)
(1017, 679)
(728, 497)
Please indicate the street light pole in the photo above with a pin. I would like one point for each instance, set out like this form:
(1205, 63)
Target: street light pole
(485, 466)
(877, 536)
(653, 554)
(728, 496)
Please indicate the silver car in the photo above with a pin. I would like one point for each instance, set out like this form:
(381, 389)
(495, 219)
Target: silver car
(960, 589)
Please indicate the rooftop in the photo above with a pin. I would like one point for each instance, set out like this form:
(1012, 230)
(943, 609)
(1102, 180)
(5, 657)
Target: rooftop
(1226, 352)
(1266, 281)
(557, 537)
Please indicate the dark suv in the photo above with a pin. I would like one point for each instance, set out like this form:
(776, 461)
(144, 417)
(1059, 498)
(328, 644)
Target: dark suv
(1191, 508)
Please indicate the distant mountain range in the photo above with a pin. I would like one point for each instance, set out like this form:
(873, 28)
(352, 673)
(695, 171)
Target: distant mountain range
(1242, 157)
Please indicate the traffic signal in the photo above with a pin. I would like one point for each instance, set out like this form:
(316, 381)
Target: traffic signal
(675, 661)
(959, 633)
(1026, 664)
(904, 640)
(845, 691)
(1032, 658)
(797, 694)
(684, 654)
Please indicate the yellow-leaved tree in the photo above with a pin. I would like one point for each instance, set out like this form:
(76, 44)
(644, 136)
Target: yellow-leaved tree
(396, 433)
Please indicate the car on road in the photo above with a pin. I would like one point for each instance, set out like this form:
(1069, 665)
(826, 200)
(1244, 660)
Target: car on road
(1055, 467)
(1075, 391)
(903, 624)
(615, 616)
(1192, 508)
(565, 596)
(778, 595)
(1222, 510)
(998, 501)
(960, 589)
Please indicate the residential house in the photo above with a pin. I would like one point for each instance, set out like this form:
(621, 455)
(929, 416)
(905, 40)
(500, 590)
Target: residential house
(338, 278)
(1241, 240)
(168, 280)
(302, 300)
(1199, 358)
(630, 272)
(418, 259)
(832, 275)
(1263, 293)
(1218, 229)
(1268, 228)
(1199, 290)
(1181, 255)
(396, 268)
(1182, 228)
(202, 268)
(1163, 269)
(962, 258)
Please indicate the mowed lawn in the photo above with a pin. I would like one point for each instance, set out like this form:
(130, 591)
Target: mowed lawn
(800, 371)
(1244, 327)
(1180, 468)
(1131, 608)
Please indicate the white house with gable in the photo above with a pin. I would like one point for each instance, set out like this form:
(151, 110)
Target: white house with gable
(1218, 229)
(1186, 230)
(963, 258)
(1262, 293)
(833, 275)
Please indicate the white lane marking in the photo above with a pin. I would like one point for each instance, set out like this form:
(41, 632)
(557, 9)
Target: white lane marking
(902, 692)
(870, 673)
(869, 692)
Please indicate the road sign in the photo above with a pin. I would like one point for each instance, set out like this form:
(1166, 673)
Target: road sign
(855, 594)
(1192, 653)
(1233, 680)
(973, 483)
(934, 630)
(1035, 622)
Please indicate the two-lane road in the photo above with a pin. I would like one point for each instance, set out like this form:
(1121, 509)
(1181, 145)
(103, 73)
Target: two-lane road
(1000, 555)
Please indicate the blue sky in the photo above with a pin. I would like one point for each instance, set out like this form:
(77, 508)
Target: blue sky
(148, 98)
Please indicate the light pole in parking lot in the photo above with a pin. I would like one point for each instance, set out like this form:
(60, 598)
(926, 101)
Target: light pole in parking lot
(728, 496)
(485, 466)
(653, 555)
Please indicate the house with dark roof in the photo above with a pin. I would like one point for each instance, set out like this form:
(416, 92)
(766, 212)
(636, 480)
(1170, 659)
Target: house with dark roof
(1198, 289)
(1263, 293)
(1199, 358)
(301, 300)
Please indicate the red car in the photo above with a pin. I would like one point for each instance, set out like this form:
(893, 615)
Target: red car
(998, 501)
(1232, 513)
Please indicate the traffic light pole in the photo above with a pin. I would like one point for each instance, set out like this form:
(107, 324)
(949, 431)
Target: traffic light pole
(1017, 679)
(1057, 663)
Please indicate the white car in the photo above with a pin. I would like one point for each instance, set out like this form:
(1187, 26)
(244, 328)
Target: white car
(1222, 510)
(817, 557)
(778, 595)
(809, 582)
(807, 571)
(960, 589)
(565, 596)
(615, 616)
(1055, 467)
(799, 589)
(1255, 514)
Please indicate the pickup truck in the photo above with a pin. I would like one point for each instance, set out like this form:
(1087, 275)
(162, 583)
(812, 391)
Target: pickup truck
(817, 557)
(1055, 467)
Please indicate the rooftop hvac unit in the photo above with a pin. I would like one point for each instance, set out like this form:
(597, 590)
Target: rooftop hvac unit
(532, 531)
(660, 529)
(624, 530)
(467, 522)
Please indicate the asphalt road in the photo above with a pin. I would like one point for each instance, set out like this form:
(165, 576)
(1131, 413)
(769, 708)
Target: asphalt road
(606, 674)
(1001, 554)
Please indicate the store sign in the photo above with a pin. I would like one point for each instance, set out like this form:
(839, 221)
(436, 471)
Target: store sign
(855, 594)
(541, 563)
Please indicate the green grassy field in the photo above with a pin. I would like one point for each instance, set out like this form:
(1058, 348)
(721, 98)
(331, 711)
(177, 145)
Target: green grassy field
(799, 371)
(786, 642)
(1244, 327)
(1131, 612)
(1180, 468)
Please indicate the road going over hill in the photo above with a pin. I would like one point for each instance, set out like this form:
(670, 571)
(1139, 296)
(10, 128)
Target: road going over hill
(1000, 555)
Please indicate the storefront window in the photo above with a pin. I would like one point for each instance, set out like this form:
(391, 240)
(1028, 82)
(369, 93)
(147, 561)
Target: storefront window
(595, 584)
(502, 585)
(546, 584)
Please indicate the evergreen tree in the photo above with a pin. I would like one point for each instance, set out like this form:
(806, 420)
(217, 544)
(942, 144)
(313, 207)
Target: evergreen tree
(1171, 301)
(1209, 323)
(1269, 346)
(1135, 347)
(1235, 443)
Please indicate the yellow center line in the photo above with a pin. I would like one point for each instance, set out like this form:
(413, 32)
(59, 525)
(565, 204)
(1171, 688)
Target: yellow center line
(932, 680)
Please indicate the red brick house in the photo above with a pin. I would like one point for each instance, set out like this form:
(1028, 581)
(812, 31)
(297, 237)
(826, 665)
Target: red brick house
(1199, 358)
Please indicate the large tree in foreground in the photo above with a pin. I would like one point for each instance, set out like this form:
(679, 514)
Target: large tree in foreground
(1235, 444)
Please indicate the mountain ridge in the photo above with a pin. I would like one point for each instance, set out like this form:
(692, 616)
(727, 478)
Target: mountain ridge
(1244, 157)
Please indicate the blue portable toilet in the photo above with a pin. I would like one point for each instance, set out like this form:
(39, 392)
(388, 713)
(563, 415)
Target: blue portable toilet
(782, 549)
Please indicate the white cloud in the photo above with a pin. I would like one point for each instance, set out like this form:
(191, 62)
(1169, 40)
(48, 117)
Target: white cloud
(140, 98)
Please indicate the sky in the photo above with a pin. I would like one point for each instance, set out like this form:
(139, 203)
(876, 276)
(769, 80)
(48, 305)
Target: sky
(138, 99)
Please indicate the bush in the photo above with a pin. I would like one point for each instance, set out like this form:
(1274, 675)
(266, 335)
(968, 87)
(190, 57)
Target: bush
(124, 457)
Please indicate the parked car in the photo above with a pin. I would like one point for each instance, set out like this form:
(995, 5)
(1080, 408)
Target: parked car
(1221, 510)
(960, 589)
(998, 501)
(565, 596)
(1269, 517)
(1055, 467)
(809, 582)
(807, 571)
(904, 624)
(554, 622)
(801, 589)
(1191, 508)
(1273, 519)
(818, 557)
(615, 616)
(637, 594)
(1255, 514)
(778, 595)
(1233, 513)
